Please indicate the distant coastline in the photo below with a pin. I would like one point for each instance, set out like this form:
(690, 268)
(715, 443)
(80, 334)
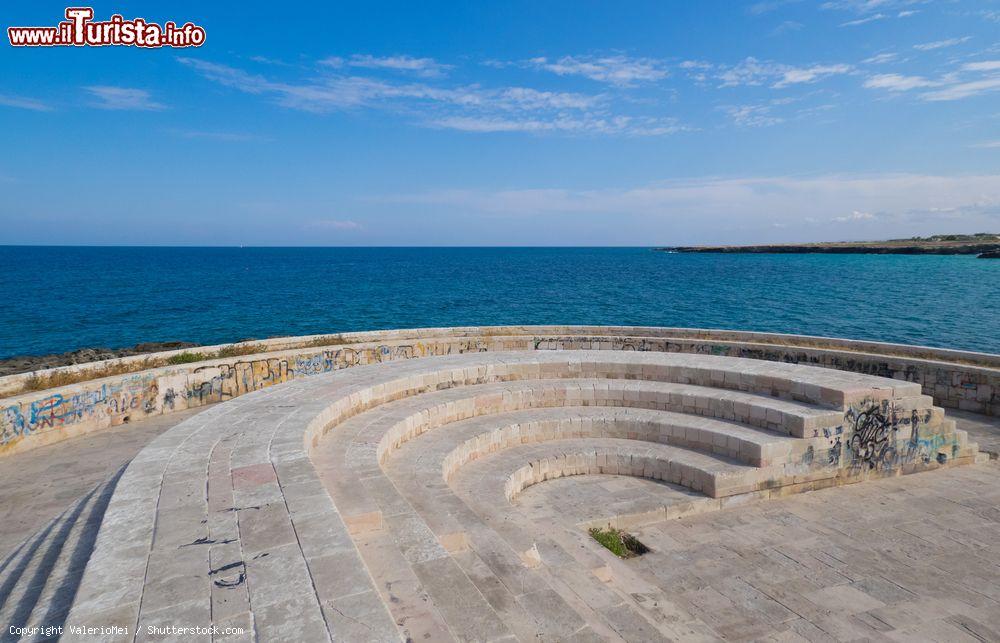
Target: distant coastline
(986, 246)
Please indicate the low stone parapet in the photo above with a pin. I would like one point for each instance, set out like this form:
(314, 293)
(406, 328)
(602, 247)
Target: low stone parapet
(28, 419)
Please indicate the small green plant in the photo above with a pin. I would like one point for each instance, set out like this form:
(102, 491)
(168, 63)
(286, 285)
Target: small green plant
(186, 358)
(618, 542)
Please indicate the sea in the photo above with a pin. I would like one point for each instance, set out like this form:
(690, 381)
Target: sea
(64, 298)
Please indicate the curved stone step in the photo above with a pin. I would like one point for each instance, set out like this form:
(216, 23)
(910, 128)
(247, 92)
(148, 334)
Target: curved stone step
(430, 409)
(473, 439)
(610, 456)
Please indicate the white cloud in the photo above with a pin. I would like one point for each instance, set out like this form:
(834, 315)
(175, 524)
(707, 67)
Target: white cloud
(752, 115)
(940, 44)
(794, 76)
(525, 98)
(423, 67)
(897, 82)
(872, 10)
(955, 85)
(335, 224)
(964, 90)
(766, 6)
(327, 94)
(868, 6)
(879, 59)
(230, 137)
(858, 6)
(624, 125)
(491, 124)
(854, 216)
(338, 92)
(861, 21)
(615, 70)
(229, 76)
(786, 26)
(123, 98)
(697, 70)
(466, 108)
(987, 145)
(264, 60)
(22, 102)
(883, 203)
(985, 65)
(751, 71)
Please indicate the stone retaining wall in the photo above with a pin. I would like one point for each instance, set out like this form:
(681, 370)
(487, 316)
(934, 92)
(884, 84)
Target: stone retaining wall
(956, 379)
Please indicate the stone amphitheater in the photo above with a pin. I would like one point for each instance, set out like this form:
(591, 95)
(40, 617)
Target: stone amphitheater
(442, 484)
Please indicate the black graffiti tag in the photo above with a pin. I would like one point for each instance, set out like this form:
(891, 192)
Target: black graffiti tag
(872, 441)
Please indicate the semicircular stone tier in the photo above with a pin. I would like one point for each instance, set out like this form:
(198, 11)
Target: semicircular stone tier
(397, 501)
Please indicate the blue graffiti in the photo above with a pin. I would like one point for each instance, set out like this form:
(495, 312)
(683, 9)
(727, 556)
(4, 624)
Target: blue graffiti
(12, 425)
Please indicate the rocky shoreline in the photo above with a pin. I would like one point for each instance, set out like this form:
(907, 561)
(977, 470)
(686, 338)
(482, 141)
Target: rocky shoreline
(28, 363)
(986, 246)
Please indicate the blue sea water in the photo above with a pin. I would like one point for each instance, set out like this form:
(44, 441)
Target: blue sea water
(62, 298)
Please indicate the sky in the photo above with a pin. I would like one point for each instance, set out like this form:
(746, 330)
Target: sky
(507, 123)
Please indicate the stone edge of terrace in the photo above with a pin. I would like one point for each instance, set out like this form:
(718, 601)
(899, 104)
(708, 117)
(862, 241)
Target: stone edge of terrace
(956, 379)
(8, 383)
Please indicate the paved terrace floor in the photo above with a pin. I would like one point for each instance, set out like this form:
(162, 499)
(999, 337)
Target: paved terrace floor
(906, 558)
(39, 484)
(915, 558)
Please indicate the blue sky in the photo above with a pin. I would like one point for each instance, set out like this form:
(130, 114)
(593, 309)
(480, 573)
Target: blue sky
(508, 123)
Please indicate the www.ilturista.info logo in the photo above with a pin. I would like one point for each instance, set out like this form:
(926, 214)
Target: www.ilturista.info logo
(80, 30)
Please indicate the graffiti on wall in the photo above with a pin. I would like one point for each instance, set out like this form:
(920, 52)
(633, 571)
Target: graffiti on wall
(111, 400)
(875, 442)
(113, 404)
(57, 409)
(594, 343)
(12, 425)
(145, 394)
(872, 442)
